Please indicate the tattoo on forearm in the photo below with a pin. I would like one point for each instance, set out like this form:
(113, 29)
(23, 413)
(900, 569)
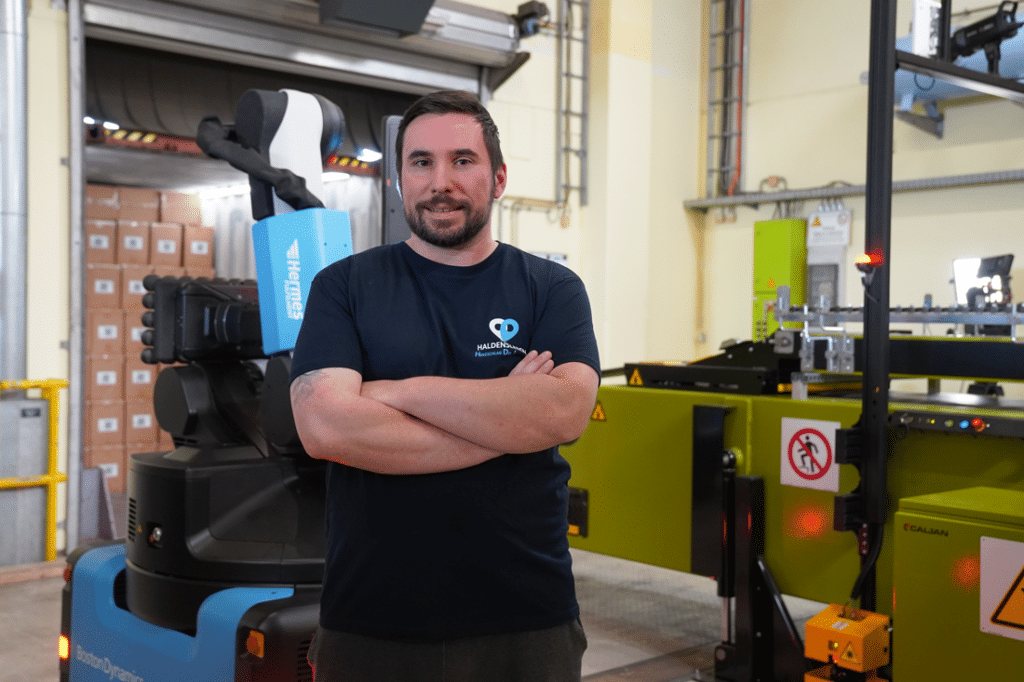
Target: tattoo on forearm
(302, 388)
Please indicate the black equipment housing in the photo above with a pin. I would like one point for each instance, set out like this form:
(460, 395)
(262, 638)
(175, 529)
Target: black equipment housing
(237, 502)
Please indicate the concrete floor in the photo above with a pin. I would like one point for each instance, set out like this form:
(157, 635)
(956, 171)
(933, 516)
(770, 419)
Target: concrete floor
(30, 612)
(643, 623)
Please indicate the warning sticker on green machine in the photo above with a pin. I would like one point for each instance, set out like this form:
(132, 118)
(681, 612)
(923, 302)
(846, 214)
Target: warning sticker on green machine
(808, 454)
(1002, 587)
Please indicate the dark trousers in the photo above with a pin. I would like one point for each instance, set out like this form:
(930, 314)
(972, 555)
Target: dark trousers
(549, 655)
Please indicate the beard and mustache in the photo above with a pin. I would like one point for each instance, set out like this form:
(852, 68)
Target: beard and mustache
(441, 236)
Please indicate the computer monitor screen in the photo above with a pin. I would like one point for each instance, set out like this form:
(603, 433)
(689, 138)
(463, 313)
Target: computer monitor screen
(986, 277)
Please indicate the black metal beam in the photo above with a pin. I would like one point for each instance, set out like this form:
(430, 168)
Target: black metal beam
(874, 418)
(767, 646)
(978, 81)
(711, 500)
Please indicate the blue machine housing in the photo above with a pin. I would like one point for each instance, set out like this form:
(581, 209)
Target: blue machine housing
(110, 643)
(291, 249)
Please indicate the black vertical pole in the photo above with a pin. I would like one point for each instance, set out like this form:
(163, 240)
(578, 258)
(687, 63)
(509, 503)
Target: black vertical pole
(874, 418)
(945, 52)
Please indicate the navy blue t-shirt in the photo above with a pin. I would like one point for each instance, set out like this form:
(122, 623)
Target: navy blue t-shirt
(478, 551)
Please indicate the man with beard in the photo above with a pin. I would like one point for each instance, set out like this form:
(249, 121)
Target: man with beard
(438, 376)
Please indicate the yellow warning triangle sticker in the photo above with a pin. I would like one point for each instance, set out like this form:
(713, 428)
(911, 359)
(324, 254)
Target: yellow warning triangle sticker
(849, 655)
(598, 414)
(817, 222)
(635, 379)
(1010, 611)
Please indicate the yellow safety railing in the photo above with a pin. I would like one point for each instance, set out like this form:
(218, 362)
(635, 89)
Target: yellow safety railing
(51, 393)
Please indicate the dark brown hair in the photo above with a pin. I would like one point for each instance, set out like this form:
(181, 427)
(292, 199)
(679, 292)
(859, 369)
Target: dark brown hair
(452, 102)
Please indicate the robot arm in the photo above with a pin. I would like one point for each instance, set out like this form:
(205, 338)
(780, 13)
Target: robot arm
(281, 140)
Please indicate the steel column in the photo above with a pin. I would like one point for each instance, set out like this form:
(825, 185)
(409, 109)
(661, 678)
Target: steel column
(875, 414)
(13, 191)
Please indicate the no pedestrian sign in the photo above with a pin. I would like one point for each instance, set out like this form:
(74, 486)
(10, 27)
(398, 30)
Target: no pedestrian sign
(808, 454)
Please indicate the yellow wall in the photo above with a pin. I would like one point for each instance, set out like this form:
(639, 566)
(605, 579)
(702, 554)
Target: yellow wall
(48, 287)
(633, 244)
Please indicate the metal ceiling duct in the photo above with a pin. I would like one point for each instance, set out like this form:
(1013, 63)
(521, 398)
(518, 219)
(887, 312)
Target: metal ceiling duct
(161, 66)
(162, 92)
(13, 192)
(458, 46)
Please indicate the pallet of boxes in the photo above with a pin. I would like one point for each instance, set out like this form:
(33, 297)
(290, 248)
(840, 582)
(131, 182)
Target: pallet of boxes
(130, 232)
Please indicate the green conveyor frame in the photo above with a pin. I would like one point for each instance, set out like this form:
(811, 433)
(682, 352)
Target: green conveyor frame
(636, 467)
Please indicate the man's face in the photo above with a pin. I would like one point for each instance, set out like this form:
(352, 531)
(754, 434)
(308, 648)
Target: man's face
(447, 183)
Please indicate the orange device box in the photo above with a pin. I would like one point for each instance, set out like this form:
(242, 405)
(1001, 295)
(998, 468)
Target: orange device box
(100, 241)
(165, 244)
(102, 286)
(858, 642)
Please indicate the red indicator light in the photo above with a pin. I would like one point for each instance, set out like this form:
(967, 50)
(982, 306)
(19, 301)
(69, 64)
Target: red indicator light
(978, 424)
(63, 648)
(808, 522)
(868, 259)
(966, 572)
(67, 573)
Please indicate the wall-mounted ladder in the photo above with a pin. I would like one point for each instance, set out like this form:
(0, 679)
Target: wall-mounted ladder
(573, 93)
(726, 96)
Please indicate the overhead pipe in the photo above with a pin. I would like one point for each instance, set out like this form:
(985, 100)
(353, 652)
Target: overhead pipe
(13, 191)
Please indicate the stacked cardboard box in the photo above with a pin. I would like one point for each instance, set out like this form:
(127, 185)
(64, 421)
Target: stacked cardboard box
(130, 232)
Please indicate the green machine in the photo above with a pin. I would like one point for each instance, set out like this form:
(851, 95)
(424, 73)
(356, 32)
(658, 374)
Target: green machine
(780, 259)
(964, 550)
(657, 479)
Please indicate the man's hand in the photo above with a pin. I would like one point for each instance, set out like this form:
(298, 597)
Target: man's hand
(534, 363)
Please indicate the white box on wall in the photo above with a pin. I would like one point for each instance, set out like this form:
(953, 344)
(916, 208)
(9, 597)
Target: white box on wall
(924, 28)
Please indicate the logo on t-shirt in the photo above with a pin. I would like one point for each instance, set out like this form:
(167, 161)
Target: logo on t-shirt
(505, 329)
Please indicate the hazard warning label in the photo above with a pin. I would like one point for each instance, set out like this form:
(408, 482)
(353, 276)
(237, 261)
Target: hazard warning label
(1002, 587)
(598, 414)
(829, 228)
(808, 454)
